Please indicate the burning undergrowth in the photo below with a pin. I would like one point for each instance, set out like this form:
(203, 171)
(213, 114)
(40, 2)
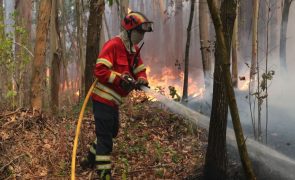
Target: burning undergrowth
(152, 143)
(173, 77)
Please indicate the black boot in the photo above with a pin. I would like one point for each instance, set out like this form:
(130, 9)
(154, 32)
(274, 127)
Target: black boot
(88, 162)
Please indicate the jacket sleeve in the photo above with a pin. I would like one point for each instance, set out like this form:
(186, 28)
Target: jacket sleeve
(104, 65)
(140, 70)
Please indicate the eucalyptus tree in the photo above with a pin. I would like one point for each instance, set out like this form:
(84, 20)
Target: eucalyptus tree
(186, 56)
(204, 40)
(223, 93)
(38, 76)
(283, 34)
(56, 57)
(93, 36)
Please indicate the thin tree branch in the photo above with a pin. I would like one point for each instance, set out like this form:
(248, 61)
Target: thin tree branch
(30, 52)
(3, 167)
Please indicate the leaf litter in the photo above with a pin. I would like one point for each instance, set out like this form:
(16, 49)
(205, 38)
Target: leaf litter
(153, 143)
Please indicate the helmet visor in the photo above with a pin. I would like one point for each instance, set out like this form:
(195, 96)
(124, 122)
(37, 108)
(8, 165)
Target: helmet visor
(146, 27)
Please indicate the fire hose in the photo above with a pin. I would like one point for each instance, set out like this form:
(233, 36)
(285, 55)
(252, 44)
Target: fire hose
(78, 130)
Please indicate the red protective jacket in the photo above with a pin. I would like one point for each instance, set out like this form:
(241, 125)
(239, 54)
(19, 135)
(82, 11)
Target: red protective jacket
(113, 61)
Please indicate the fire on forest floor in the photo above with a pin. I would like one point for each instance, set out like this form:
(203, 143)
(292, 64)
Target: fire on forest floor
(152, 143)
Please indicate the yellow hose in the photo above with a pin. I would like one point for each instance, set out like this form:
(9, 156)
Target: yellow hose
(78, 130)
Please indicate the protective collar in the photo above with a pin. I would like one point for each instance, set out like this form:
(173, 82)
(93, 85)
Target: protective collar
(124, 37)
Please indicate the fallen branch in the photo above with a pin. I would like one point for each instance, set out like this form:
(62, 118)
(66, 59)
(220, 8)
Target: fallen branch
(149, 168)
(3, 167)
(9, 114)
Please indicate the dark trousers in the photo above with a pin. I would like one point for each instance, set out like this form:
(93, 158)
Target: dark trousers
(106, 128)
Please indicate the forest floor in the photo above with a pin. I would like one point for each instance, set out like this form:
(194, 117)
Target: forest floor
(152, 143)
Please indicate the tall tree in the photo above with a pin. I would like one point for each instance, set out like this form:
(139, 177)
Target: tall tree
(204, 40)
(245, 24)
(215, 160)
(22, 45)
(64, 79)
(255, 16)
(186, 57)
(10, 36)
(38, 75)
(178, 29)
(1, 18)
(56, 57)
(2, 38)
(9, 21)
(235, 50)
(254, 61)
(93, 35)
(81, 54)
(283, 34)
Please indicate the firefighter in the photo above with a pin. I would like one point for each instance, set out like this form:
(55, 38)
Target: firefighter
(119, 69)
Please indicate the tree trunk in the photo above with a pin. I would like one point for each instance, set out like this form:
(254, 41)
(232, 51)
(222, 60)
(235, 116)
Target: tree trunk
(55, 50)
(10, 33)
(186, 58)
(37, 83)
(283, 35)
(235, 51)
(275, 26)
(2, 39)
(223, 48)
(9, 21)
(2, 32)
(64, 79)
(216, 159)
(245, 24)
(93, 35)
(255, 16)
(204, 41)
(178, 29)
(124, 4)
(24, 20)
(81, 57)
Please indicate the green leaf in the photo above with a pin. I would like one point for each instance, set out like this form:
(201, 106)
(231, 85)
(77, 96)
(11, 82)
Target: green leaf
(10, 94)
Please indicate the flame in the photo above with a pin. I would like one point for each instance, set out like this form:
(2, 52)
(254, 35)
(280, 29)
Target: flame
(77, 93)
(129, 10)
(168, 77)
(243, 85)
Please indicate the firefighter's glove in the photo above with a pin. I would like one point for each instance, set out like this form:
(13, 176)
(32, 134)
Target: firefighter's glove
(127, 82)
(141, 82)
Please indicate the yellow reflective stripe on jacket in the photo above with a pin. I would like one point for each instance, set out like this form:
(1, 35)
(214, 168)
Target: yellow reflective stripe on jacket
(112, 77)
(106, 95)
(139, 68)
(109, 91)
(105, 62)
(103, 166)
(102, 158)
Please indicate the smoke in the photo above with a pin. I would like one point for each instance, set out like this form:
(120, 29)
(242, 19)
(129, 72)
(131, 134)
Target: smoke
(282, 88)
(274, 164)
